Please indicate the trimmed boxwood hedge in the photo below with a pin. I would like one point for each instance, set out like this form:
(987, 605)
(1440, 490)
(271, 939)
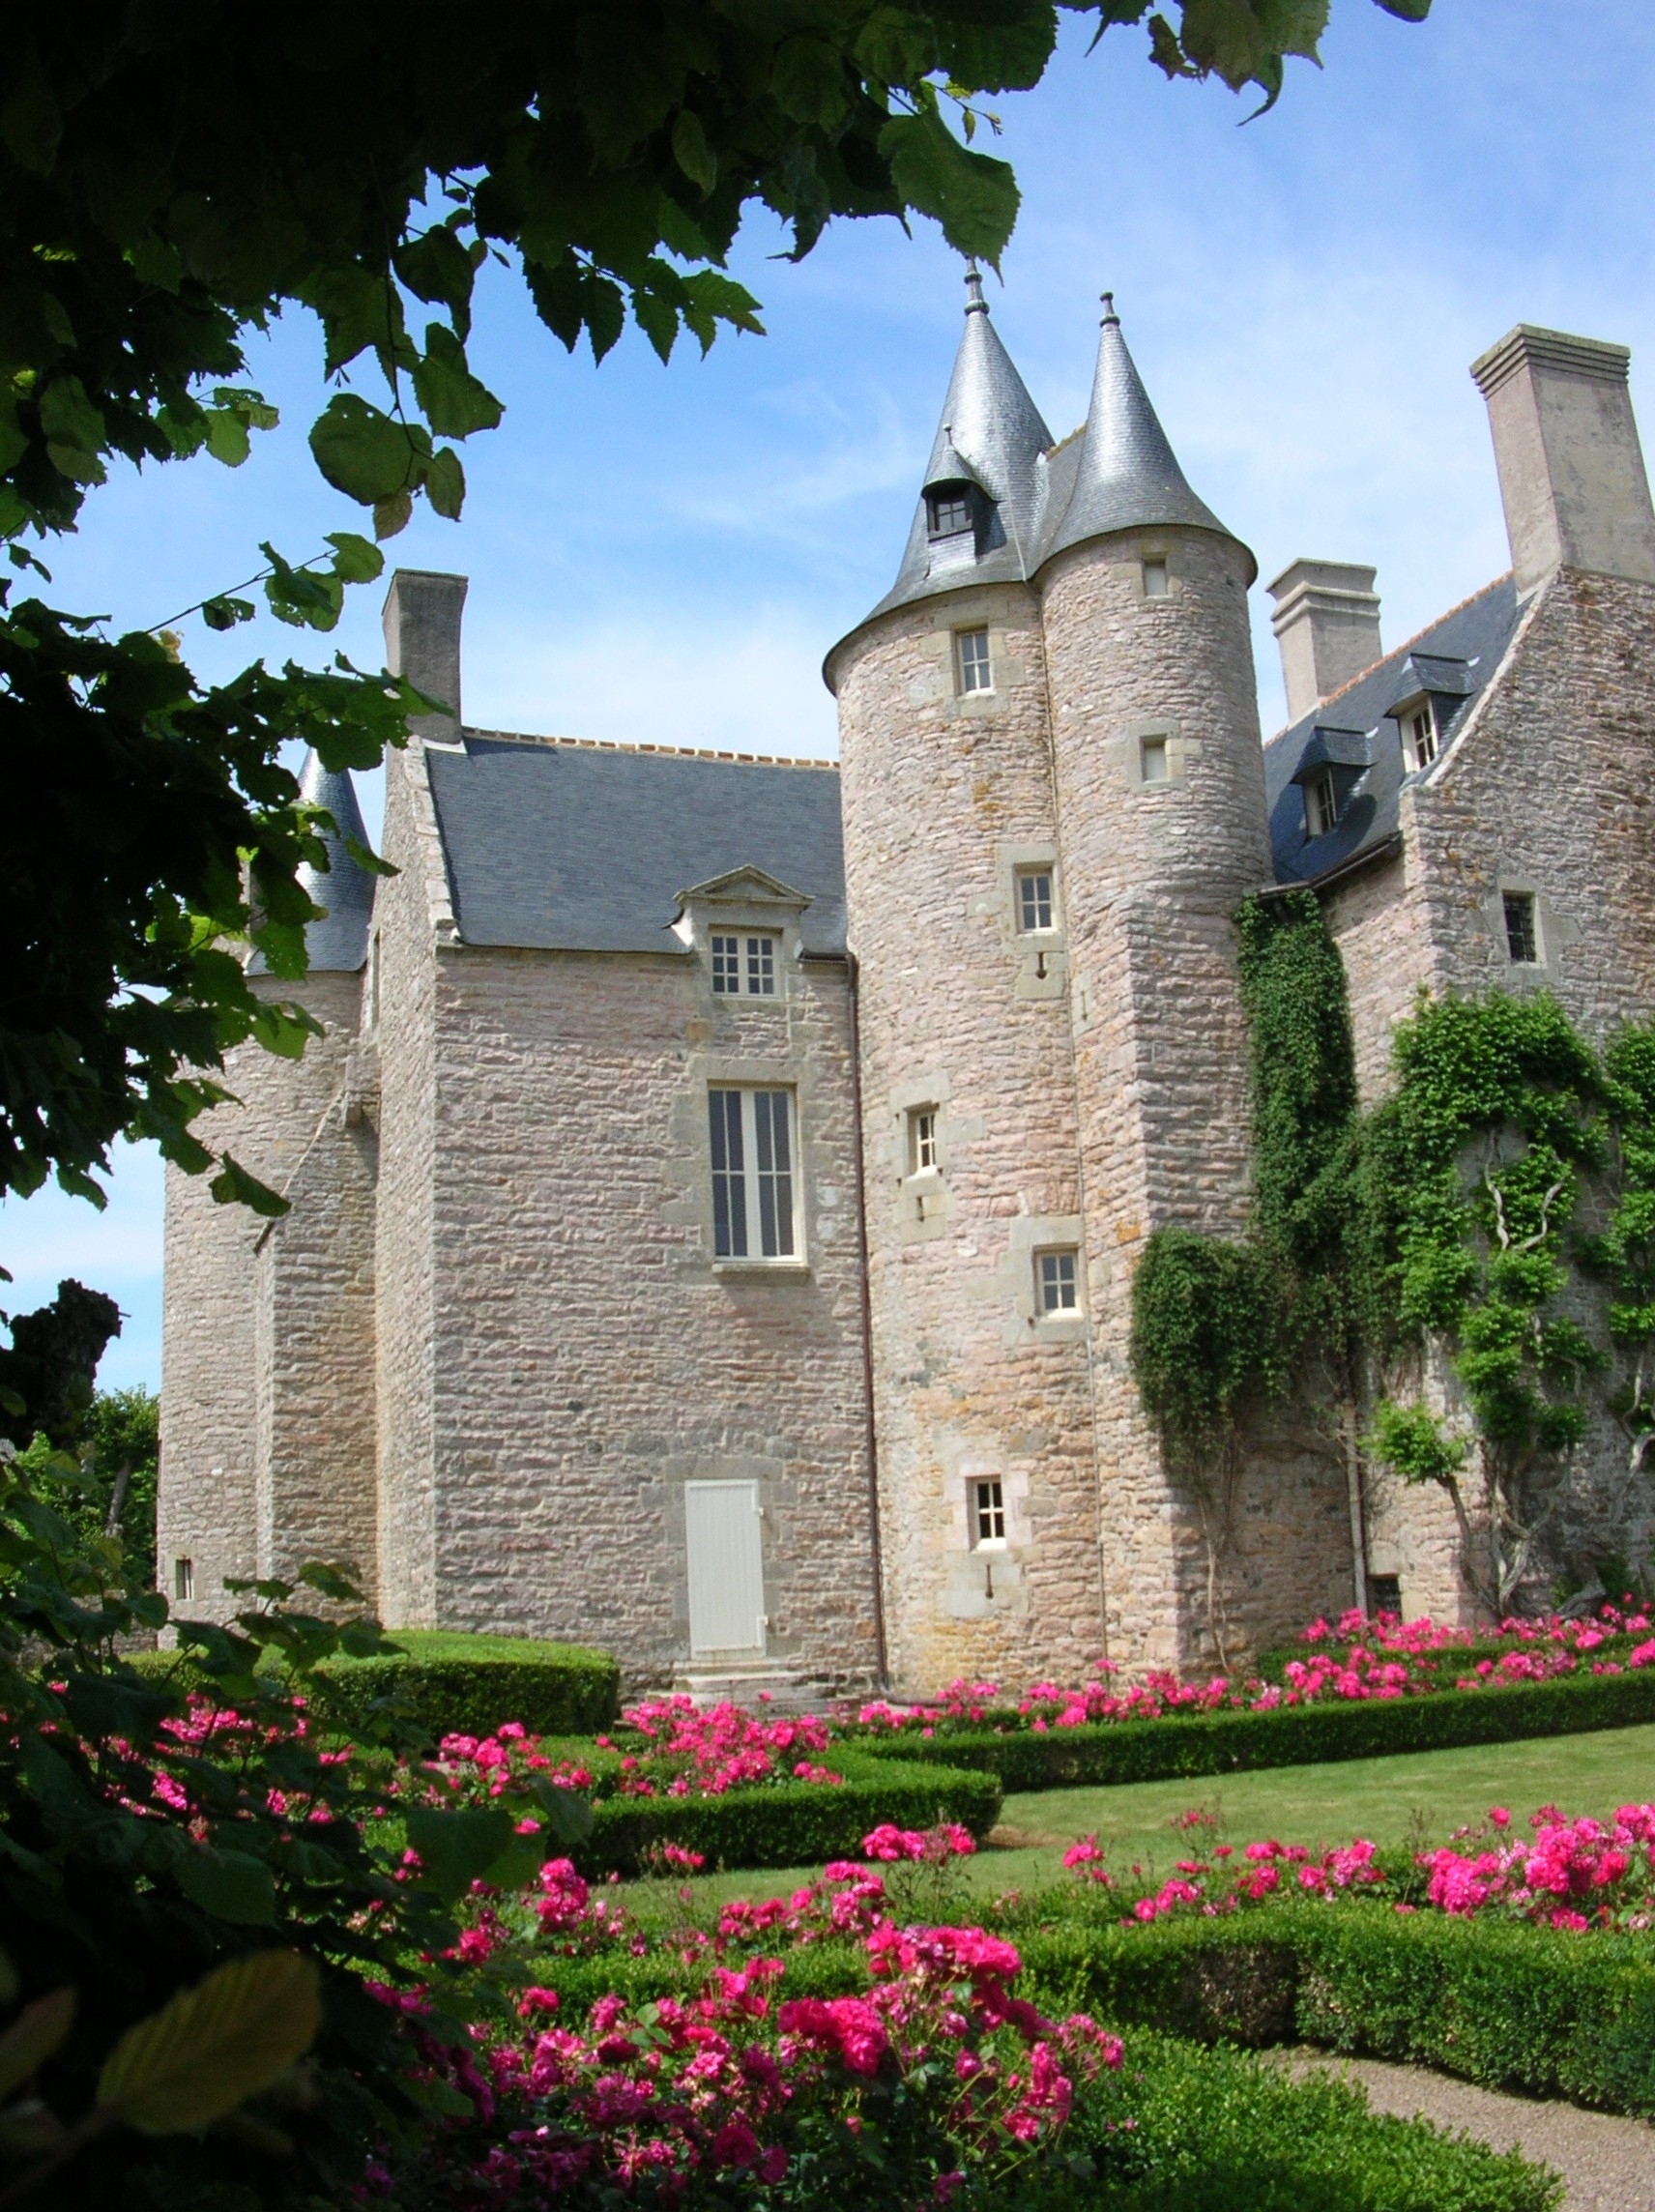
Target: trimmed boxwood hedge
(791, 1823)
(1509, 2005)
(450, 1683)
(1287, 1736)
(466, 1685)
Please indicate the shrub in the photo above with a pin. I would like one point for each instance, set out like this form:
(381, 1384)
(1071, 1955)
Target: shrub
(1226, 1742)
(451, 1685)
(792, 1824)
(1503, 2003)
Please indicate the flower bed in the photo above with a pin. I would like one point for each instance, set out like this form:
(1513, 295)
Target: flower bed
(732, 1789)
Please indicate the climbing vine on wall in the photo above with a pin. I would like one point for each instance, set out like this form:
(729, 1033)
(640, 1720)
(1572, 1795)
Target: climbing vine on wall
(1465, 1258)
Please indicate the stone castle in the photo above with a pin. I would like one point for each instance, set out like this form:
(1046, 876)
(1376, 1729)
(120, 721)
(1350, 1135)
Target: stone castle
(715, 1199)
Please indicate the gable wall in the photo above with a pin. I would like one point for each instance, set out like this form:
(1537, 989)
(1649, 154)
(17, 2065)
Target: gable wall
(587, 1359)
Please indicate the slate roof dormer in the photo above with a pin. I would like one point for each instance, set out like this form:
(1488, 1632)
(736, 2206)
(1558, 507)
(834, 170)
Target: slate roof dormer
(1125, 473)
(990, 436)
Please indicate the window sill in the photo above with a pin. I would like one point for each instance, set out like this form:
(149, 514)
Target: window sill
(785, 1267)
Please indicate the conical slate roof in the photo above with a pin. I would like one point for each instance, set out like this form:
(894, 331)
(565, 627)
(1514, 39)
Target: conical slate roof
(1117, 473)
(1127, 475)
(989, 434)
(338, 942)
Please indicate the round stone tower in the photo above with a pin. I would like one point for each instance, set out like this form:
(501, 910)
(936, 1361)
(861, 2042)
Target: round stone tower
(1160, 784)
(959, 931)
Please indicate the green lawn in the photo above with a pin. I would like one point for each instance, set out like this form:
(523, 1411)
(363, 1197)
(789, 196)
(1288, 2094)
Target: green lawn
(1428, 1794)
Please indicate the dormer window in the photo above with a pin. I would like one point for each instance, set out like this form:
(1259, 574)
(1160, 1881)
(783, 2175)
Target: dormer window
(1320, 805)
(950, 509)
(1421, 738)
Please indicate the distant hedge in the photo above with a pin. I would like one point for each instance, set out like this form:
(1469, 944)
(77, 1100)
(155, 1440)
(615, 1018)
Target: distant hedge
(1507, 2004)
(791, 1823)
(1286, 1736)
(449, 1683)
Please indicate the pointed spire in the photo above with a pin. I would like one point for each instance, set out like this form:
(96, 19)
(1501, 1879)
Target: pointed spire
(339, 940)
(990, 433)
(1127, 475)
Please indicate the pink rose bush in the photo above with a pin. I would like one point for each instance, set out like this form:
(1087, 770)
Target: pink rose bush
(1352, 1658)
(668, 1747)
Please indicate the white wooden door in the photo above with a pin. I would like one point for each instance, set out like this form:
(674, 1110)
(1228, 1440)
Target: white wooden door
(726, 1566)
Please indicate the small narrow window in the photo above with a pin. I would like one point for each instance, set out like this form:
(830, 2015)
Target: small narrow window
(1421, 735)
(1320, 805)
(1156, 579)
(950, 512)
(988, 1516)
(1384, 1594)
(372, 992)
(183, 1580)
(1057, 1278)
(1034, 900)
(753, 1178)
(971, 646)
(923, 1157)
(1521, 941)
(1155, 760)
(726, 965)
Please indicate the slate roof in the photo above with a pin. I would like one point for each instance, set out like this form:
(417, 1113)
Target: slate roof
(583, 848)
(1454, 659)
(1118, 471)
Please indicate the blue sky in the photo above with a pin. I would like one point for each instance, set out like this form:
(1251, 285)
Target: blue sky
(666, 554)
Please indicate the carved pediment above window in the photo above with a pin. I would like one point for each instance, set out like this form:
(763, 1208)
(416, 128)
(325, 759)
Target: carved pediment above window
(746, 888)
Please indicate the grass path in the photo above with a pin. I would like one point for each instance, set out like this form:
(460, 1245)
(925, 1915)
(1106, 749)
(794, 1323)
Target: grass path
(1427, 1795)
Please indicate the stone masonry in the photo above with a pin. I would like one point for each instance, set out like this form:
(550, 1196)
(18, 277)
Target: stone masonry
(529, 1312)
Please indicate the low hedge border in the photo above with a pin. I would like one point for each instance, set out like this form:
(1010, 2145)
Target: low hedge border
(449, 1683)
(1508, 2005)
(1455, 1658)
(791, 1823)
(1286, 1736)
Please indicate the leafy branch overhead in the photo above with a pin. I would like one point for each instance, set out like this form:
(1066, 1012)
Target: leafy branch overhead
(168, 185)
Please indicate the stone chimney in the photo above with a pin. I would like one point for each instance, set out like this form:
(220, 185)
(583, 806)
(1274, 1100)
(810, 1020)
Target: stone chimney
(1326, 622)
(423, 611)
(1571, 469)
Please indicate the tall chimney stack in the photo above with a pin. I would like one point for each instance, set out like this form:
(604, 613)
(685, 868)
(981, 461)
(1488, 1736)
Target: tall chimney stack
(1571, 469)
(423, 611)
(1326, 622)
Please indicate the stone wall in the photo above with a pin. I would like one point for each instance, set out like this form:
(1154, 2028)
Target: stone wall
(208, 1508)
(947, 794)
(586, 1356)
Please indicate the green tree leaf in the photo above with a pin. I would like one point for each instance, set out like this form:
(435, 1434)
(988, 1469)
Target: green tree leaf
(231, 1885)
(453, 400)
(215, 2045)
(38, 2030)
(691, 152)
(457, 1849)
(232, 1186)
(972, 196)
(363, 452)
(445, 482)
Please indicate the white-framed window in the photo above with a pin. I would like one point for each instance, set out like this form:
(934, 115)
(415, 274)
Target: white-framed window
(755, 1188)
(923, 1156)
(988, 1516)
(743, 966)
(1035, 910)
(971, 650)
(1153, 759)
(1155, 576)
(1522, 935)
(1421, 738)
(1056, 1280)
(1320, 805)
(183, 1580)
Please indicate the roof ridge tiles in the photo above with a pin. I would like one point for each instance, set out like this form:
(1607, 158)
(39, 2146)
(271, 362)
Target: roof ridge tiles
(670, 753)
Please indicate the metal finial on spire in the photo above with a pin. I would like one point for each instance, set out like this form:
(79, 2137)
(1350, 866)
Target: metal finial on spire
(1109, 314)
(975, 304)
